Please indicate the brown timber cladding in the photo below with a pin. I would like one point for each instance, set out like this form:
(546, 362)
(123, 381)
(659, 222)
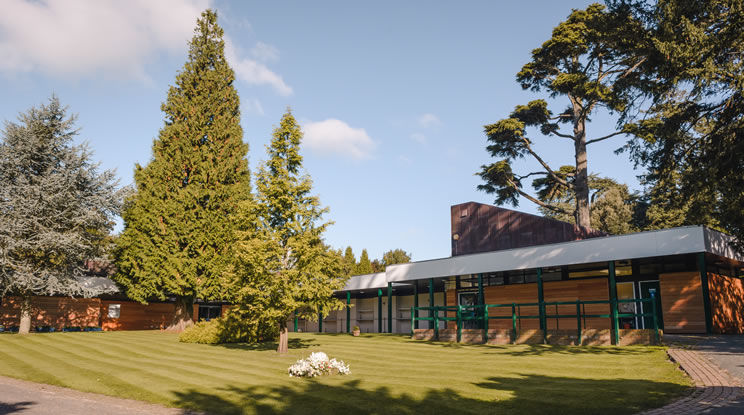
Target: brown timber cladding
(485, 228)
(682, 302)
(61, 312)
(727, 303)
(136, 316)
(593, 289)
(57, 312)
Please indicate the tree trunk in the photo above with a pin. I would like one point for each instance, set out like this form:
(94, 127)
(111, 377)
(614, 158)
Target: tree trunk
(25, 326)
(183, 317)
(283, 346)
(581, 181)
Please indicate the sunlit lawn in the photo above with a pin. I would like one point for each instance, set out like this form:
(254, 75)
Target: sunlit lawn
(390, 374)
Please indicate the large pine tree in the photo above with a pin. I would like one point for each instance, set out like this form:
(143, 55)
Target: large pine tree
(282, 264)
(179, 225)
(56, 208)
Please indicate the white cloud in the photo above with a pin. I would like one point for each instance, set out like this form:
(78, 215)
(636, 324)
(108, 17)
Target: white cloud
(75, 38)
(265, 52)
(335, 136)
(253, 72)
(429, 121)
(79, 38)
(404, 160)
(418, 137)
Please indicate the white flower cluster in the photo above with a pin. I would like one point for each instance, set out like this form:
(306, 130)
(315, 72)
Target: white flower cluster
(316, 365)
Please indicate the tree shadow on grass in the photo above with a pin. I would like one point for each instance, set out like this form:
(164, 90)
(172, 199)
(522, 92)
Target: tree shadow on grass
(541, 349)
(272, 345)
(531, 394)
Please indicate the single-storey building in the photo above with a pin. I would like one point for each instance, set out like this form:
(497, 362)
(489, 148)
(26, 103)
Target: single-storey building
(512, 277)
(544, 280)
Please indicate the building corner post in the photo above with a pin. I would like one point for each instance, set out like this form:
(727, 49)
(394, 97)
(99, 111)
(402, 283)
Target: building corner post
(541, 306)
(348, 311)
(390, 307)
(379, 310)
(706, 293)
(613, 304)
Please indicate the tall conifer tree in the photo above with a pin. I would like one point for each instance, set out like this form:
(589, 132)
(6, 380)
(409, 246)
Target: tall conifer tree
(282, 265)
(179, 225)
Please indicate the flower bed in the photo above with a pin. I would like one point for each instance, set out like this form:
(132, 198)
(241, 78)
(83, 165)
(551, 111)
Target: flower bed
(318, 364)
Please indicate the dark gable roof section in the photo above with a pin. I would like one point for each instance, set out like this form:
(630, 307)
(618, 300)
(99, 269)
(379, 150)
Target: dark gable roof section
(477, 227)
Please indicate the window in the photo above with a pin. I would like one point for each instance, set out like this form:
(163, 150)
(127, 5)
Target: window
(597, 269)
(114, 310)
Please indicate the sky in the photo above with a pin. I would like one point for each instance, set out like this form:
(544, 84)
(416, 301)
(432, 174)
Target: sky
(392, 96)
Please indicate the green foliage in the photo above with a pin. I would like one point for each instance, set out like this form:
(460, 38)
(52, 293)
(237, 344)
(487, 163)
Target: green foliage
(281, 263)
(56, 207)
(364, 266)
(690, 136)
(350, 262)
(395, 256)
(227, 329)
(587, 62)
(178, 226)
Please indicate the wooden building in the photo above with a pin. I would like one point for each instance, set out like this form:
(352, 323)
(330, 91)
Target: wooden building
(512, 277)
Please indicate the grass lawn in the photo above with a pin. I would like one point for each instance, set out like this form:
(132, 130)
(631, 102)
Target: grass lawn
(390, 374)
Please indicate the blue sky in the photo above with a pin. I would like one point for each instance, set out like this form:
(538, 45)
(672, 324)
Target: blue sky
(392, 95)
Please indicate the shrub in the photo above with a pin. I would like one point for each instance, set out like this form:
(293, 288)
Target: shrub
(230, 328)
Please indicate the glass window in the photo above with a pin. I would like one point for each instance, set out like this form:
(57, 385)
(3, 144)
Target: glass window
(597, 269)
(551, 274)
(530, 276)
(517, 278)
(114, 310)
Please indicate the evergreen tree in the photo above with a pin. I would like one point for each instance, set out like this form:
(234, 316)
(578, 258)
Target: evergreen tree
(56, 208)
(394, 256)
(178, 226)
(350, 263)
(364, 266)
(690, 136)
(282, 265)
(586, 63)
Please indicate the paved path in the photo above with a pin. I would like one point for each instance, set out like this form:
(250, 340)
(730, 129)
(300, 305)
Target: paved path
(713, 363)
(28, 398)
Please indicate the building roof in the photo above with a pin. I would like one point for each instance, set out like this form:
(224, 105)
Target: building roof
(675, 241)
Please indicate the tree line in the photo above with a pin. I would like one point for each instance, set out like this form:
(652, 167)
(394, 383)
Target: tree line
(198, 225)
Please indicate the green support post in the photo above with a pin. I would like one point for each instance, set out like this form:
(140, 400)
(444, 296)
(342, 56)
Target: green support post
(656, 318)
(578, 322)
(379, 310)
(481, 302)
(295, 322)
(348, 311)
(485, 324)
(431, 299)
(390, 307)
(459, 323)
(514, 323)
(613, 304)
(706, 293)
(541, 306)
(436, 323)
(414, 315)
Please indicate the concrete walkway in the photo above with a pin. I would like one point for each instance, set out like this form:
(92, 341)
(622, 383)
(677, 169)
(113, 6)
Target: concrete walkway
(28, 398)
(716, 365)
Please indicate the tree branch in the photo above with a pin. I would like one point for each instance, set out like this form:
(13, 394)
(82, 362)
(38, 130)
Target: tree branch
(538, 201)
(569, 136)
(605, 137)
(544, 164)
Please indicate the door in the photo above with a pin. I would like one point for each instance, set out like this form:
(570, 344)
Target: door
(648, 287)
(469, 299)
(626, 291)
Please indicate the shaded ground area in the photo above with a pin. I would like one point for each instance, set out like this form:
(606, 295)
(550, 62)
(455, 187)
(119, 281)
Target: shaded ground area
(390, 374)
